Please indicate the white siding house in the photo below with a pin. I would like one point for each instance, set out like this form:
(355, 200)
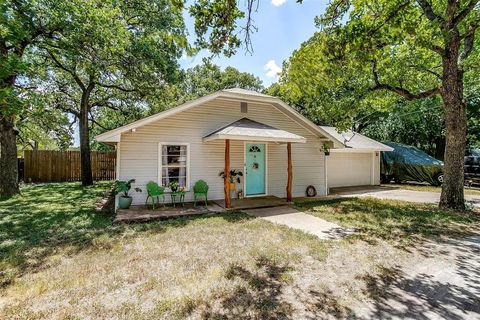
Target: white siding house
(187, 144)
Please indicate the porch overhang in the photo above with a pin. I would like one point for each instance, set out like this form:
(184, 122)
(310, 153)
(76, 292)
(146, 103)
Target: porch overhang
(249, 130)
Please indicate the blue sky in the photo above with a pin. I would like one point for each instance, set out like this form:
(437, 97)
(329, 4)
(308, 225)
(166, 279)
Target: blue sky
(282, 26)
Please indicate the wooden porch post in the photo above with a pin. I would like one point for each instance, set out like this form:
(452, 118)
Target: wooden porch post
(226, 180)
(290, 173)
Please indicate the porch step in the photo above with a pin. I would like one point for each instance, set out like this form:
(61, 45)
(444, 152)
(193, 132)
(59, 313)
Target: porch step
(254, 203)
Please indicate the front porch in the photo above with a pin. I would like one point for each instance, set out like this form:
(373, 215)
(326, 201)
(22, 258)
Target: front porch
(256, 136)
(145, 213)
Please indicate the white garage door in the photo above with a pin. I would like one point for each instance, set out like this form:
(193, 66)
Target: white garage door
(349, 169)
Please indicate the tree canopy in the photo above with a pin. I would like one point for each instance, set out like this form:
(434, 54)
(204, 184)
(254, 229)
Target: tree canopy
(207, 78)
(193, 83)
(370, 53)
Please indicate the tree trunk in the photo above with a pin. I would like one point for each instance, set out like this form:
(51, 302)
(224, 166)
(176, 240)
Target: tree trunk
(455, 109)
(440, 148)
(8, 157)
(86, 165)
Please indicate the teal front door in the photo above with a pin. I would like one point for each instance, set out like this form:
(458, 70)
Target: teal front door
(255, 169)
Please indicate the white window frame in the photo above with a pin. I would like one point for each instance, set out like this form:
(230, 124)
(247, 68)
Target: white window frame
(160, 165)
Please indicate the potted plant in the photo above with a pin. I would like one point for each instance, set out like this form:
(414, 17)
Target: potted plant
(125, 200)
(234, 176)
(173, 185)
(326, 149)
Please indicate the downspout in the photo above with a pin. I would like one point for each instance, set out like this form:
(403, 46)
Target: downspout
(117, 172)
(326, 173)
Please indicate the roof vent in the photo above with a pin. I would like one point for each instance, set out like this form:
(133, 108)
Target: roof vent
(243, 107)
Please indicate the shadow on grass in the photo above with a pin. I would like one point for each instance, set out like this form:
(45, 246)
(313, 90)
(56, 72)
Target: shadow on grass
(46, 218)
(392, 220)
(421, 297)
(263, 296)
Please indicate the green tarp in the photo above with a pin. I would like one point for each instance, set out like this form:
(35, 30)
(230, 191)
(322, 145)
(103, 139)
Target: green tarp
(407, 163)
(475, 152)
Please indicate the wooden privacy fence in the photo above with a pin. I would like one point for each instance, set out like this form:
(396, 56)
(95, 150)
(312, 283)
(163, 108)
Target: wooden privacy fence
(58, 166)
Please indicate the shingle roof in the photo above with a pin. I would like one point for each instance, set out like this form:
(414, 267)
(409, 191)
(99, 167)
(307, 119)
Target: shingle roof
(246, 129)
(358, 141)
(247, 92)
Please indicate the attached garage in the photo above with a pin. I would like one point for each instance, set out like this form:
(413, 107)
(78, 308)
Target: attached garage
(357, 164)
(345, 169)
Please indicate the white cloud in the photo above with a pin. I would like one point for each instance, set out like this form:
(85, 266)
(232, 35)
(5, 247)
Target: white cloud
(278, 3)
(272, 69)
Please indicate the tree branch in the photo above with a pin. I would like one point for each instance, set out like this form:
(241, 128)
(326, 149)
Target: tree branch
(113, 86)
(428, 10)
(97, 123)
(405, 93)
(464, 13)
(421, 68)
(69, 110)
(438, 50)
(468, 43)
(71, 72)
(389, 17)
(399, 90)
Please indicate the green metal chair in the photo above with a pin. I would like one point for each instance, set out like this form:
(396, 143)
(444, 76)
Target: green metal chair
(155, 191)
(200, 189)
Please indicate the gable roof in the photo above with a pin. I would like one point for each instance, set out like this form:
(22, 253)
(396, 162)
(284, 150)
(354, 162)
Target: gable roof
(235, 93)
(358, 142)
(246, 129)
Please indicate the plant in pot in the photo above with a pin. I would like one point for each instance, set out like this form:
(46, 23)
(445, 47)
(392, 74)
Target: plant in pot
(326, 149)
(234, 177)
(173, 185)
(123, 187)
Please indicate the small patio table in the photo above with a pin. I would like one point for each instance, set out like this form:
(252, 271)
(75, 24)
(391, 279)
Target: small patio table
(181, 197)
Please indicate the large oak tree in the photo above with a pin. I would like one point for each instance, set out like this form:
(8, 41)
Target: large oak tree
(369, 53)
(112, 55)
(23, 24)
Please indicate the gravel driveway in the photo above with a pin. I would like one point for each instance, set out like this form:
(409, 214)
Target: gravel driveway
(392, 193)
(443, 283)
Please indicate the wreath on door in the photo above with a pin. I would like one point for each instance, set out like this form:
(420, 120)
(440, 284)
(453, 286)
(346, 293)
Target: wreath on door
(311, 191)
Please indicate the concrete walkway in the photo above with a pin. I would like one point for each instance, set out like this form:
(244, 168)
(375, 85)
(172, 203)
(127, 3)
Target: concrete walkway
(293, 218)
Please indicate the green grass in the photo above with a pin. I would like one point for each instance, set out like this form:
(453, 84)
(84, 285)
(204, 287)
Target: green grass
(44, 218)
(55, 247)
(60, 259)
(392, 220)
(428, 188)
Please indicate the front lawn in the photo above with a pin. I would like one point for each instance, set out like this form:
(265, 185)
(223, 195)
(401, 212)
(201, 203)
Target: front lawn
(398, 221)
(62, 260)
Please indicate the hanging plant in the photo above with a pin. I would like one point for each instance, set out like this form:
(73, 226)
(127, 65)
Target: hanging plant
(326, 149)
(234, 175)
